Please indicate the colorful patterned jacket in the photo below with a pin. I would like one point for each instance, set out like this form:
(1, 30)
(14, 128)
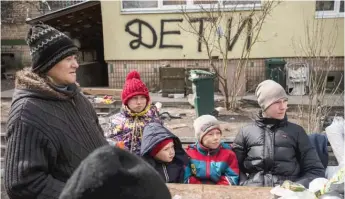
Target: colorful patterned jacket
(127, 127)
(206, 166)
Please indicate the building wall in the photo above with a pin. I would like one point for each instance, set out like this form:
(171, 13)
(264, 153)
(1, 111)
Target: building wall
(287, 23)
(14, 31)
(149, 70)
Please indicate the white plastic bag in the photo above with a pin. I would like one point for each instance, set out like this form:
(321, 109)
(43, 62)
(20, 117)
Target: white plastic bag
(317, 184)
(300, 195)
(335, 135)
(159, 106)
(280, 192)
(177, 197)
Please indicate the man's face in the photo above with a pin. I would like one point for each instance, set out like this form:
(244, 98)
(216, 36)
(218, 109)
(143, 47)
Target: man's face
(277, 110)
(64, 72)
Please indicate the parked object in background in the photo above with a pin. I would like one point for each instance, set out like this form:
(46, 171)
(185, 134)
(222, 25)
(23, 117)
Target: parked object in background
(191, 99)
(275, 70)
(203, 91)
(297, 79)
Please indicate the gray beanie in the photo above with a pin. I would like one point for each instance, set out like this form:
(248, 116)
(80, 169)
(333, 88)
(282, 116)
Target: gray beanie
(204, 124)
(269, 92)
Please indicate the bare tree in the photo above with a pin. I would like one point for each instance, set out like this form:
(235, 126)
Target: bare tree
(316, 50)
(220, 27)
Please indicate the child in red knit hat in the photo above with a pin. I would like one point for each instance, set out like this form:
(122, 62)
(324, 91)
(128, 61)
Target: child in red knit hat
(127, 126)
(164, 152)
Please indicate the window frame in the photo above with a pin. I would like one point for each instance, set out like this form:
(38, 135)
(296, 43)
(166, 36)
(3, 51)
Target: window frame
(335, 13)
(188, 7)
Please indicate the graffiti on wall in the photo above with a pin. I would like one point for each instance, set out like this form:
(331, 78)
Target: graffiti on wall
(136, 43)
(139, 41)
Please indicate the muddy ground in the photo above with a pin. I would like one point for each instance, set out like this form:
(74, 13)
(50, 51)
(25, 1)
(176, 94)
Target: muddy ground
(7, 84)
(231, 122)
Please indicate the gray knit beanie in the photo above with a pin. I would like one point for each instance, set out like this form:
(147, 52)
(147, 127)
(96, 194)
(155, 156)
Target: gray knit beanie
(269, 92)
(204, 124)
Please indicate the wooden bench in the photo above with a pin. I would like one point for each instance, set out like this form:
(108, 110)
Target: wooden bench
(193, 191)
(116, 93)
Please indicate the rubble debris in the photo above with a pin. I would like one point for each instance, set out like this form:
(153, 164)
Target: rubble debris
(219, 109)
(177, 126)
(178, 96)
(167, 115)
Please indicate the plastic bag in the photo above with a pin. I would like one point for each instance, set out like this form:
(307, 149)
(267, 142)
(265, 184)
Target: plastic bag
(336, 183)
(295, 187)
(317, 184)
(335, 135)
(177, 197)
(280, 192)
(291, 190)
(159, 106)
(306, 194)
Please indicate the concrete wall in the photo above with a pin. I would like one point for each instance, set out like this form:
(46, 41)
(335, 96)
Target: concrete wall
(14, 31)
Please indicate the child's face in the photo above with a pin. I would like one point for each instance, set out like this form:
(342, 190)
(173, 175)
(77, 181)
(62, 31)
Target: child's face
(212, 139)
(277, 110)
(137, 103)
(167, 153)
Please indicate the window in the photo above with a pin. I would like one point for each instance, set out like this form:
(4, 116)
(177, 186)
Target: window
(139, 4)
(171, 2)
(50, 6)
(164, 6)
(329, 9)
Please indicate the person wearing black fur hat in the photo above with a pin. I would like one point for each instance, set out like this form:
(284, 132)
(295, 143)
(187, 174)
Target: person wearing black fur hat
(110, 172)
(51, 126)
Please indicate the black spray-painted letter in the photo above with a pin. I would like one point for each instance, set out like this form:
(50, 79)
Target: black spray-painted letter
(161, 44)
(201, 28)
(135, 44)
(233, 41)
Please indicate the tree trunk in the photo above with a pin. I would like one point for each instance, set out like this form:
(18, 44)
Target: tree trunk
(226, 95)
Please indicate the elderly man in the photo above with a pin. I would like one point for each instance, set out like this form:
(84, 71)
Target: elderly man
(272, 149)
(52, 127)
